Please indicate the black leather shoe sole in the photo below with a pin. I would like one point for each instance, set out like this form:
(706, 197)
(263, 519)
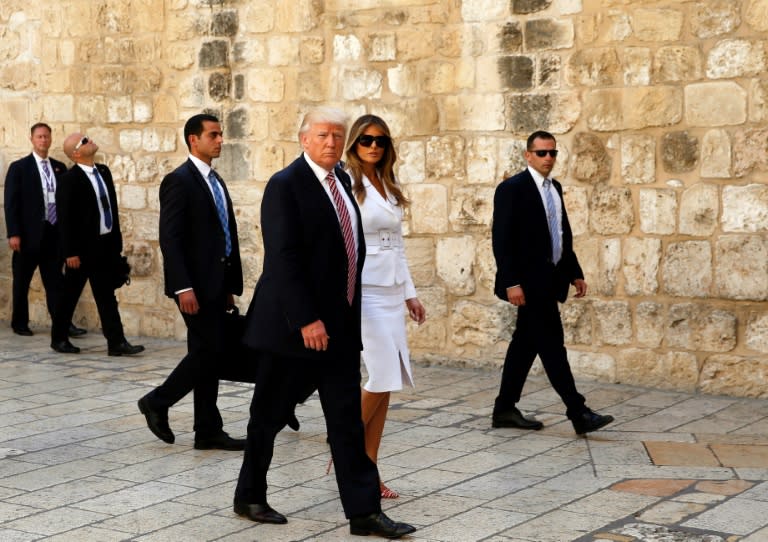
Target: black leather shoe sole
(156, 423)
(598, 422)
(65, 347)
(125, 350)
(23, 331)
(531, 425)
(379, 525)
(263, 513)
(76, 331)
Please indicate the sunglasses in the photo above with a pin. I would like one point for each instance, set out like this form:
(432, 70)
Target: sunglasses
(543, 153)
(82, 142)
(382, 141)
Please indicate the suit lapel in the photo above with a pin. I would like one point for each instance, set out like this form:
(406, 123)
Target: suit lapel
(205, 186)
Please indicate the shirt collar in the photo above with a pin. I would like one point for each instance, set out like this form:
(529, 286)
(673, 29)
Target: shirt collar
(201, 166)
(538, 178)
(319, 171)
(39, 158)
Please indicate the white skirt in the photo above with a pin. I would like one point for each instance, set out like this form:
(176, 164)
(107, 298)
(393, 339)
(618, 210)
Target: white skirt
(385, 346)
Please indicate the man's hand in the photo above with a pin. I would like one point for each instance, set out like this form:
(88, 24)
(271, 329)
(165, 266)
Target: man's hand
(15, 243)
(516, 296)
(315, 337)
(581, 287)
(73, 262)
(188, 302)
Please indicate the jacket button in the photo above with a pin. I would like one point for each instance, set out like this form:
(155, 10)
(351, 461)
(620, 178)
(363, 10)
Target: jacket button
(223, 260)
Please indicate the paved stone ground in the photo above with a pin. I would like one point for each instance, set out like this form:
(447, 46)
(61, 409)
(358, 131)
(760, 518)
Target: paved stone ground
(77, 462)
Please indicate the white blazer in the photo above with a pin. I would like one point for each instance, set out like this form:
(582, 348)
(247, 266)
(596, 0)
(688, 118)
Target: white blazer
(385, 261)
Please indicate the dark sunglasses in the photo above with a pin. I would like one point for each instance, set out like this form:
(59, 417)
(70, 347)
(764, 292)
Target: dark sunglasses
(543, 153)
(382, 141)
(81, 142)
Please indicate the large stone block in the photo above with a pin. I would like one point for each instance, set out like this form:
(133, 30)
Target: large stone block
(515, 72)
(636, 66)
(577, 322)
(415, 45)
(591, 162)
(214, 54)
(485, 268)
(119, 109)
(265, 85)
(714, 17)
(658, 210)
(649, 324)
(549, 71)
(414, 117)
(592, 365)
(477, 324)
(471, 206)
(445, 157)
(720, 103)
(742, 267)
(680, 151)
(736, 58)
(482, 10)
(716, 154)
(749, 151)
(734, 375)
(609, 259)
(671, 371)
(656, 25)
(429, 208)
(611, 210)
(638, 159)
(677, 63)
(473, 113)
(700, 327)
(699, 209)
(757, 15)
(756, 334)
(598, 66)
(455, 258)
(687, 269)
(411, 162)
(482, 160)
(641, 265)
(745, 208)
(545, 34)
(557, 112)
(283, 50)
(613, 322)
(577, 205)
(420, 252)
(633, 108)
(359, 83)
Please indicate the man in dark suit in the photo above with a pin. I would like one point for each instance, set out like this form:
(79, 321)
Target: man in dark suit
(91, 243)
(203, 273)
(30, 219)
(305, 319)
(533, 247)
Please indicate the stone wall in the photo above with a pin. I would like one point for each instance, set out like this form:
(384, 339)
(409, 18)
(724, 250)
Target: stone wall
(660, 110)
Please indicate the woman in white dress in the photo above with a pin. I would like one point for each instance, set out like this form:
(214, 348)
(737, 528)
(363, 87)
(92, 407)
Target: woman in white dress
(387, 286)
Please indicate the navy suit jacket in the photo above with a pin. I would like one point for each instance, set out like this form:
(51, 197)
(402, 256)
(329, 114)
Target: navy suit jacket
(25, 210)
(192, 240)
(522, 245)
(77, 208)
(305, 268)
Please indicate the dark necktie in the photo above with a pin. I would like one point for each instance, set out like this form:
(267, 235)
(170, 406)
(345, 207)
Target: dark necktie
(554, 227)
(221, 210)
(349, 239)
(103, 199)
(50, 214)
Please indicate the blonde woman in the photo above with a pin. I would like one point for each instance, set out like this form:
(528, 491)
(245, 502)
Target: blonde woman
(387, 286)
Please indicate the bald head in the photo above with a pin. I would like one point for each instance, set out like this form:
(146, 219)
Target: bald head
(80, 148)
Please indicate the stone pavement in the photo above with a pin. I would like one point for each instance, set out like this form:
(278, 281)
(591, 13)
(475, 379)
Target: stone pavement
(77, 462)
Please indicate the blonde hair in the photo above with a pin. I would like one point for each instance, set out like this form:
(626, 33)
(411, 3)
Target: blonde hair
(385, 166)
(323, 114)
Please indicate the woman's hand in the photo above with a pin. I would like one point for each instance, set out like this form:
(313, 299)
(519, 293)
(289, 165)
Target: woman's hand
(416, 310)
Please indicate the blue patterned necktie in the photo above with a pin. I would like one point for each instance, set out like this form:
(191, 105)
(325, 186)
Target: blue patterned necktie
(103, 199)
(50, 188)
(221, 210)
(554, 227)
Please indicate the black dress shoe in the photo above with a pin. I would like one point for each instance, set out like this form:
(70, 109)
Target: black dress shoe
(222, 441)
(379, 524)
(65, 347)
(589, 421)
(23, 331)
(515, 418)
(75, 331)
(156, 421)
(263, 513)
(124, 349)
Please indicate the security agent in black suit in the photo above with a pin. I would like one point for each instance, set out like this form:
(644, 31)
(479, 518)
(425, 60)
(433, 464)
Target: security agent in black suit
(91, 244)
(305, 318)
(30, 219)
(202, 270)
(533, 247)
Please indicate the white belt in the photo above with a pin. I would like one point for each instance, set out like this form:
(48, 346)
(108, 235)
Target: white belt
(385, 239)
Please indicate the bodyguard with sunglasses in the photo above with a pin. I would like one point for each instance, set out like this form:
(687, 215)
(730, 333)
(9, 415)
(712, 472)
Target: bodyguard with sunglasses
(91, 244)
(535, 266)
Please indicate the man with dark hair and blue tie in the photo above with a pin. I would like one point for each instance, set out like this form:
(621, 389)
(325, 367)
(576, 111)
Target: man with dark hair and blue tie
(91, 243)
(535, 267)
(203, 273)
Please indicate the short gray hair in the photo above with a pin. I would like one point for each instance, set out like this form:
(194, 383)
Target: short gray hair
(323, 114)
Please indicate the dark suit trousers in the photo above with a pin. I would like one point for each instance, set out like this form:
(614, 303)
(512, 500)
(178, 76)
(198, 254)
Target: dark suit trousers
(48, 258)
(96, 269)
(539, 330)
(197, 371)
(279, 384)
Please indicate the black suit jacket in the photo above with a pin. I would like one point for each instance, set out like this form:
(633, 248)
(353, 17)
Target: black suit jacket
(25, 210)
(192, 240)
(77, 207)
(522, 245)
(305, 268)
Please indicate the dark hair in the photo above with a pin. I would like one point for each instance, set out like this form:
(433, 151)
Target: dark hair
(39, 125)
(385, 165)
(540, 134)
(194, 126)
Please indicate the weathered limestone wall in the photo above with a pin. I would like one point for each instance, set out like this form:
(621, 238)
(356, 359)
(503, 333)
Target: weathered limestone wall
(660, 110)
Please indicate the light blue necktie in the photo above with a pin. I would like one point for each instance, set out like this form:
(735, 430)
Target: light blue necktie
(554, 227)
(221, 210)
(103, 199)
(51, 189)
